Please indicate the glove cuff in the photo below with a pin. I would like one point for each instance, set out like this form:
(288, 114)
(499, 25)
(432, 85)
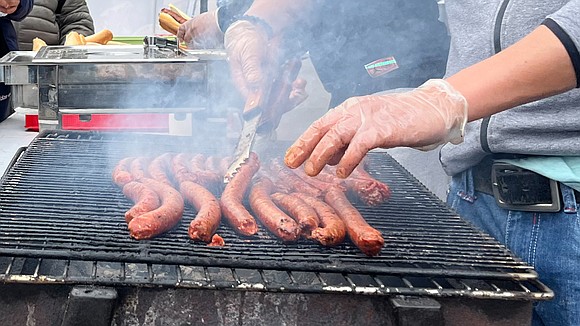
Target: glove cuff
(455, 107)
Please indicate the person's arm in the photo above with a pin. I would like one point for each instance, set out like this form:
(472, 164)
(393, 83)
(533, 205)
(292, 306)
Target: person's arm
(544, 63)
(536, 67)
(24, 8)
(75, 17)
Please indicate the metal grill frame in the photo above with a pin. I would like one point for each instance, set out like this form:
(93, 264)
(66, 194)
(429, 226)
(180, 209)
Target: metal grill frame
(12, 270)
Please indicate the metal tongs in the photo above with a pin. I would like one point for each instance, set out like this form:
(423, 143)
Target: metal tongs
(277, 92)
(151, 43)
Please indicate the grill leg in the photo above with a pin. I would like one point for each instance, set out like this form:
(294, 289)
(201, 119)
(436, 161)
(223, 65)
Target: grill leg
(89, 306)
(416, 311)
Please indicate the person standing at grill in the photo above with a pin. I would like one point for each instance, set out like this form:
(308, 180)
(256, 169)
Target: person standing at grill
(355, 50)
(52, 20)
(10, 10)
(518, 158)
(345, 41)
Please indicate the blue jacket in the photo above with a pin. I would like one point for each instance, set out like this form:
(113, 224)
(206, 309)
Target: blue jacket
(24, 9)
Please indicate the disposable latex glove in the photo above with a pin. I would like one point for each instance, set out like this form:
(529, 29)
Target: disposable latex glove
(252, 58)
(425, 117)
(261, 75)
(9, 6)
(202, 32)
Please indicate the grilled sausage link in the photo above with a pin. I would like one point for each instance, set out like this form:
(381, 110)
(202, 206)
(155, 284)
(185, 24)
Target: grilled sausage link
(366, 188)
(275, 220)
(160, 166)
(180, 168)
(139, 168)
(332, 230)
(303, 213)
(208, 216)
(145, 199)
(161, 219)
(203, 176)
(365, 237)
(231, 200)
(122, 173)
(287, 177)
(174, 15)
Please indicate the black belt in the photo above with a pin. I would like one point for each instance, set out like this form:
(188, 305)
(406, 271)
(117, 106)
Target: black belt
(516, 188)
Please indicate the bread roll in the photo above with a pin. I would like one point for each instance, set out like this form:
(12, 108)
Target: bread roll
(74, 38)
(168, 23)
(37, 43)
(102, 37)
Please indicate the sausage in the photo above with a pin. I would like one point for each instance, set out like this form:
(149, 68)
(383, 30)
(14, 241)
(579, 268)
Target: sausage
(212, 164)
(203, 176)
(231, 200)
(224, 165)
(303, 213)
(208, 216)
(145, 199)
(369, 190)
(122, 173)
(288, 178)
(161, 219)
(319, 183)
(180, 168)
(217, 241)
(174, 15)
(158, 168)
(274, 219)
(138, 168)
(365, 237)
(332, 230)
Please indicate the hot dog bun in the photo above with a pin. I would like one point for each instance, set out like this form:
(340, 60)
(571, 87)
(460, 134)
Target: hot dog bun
(102, 37)
(168, 23)
(179, 12)
(74, 38)
(37, 43)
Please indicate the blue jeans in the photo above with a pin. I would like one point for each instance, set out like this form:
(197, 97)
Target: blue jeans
(550, 242)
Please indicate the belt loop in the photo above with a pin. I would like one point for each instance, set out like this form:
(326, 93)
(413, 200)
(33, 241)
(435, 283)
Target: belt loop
(468, 190)
(568, 198)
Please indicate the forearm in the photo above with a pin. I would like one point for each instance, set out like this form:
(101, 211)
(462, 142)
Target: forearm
(536, 67)
(285, 14)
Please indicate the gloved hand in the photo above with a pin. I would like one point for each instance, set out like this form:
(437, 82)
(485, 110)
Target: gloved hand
(202, 31)
(252, 56)
(9, 6)
(430, 115)
(261, 76)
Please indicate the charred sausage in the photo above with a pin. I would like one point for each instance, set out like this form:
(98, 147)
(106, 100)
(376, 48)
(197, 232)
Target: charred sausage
(303, 213)
(365, 237)
(274, 219)
(291, 180)
(145, 199)
(208, 216)
(231, 200)
(332, 230)
(161, 219)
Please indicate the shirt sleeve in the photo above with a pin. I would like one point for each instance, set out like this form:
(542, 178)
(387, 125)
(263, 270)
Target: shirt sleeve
(565, 24)
(24, 8)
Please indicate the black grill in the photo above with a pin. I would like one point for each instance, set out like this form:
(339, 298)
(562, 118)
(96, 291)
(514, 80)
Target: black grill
(57, 203)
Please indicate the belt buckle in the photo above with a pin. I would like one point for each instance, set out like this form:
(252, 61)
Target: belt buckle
(515, 188)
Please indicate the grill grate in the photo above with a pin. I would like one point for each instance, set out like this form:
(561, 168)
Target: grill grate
(58, 202)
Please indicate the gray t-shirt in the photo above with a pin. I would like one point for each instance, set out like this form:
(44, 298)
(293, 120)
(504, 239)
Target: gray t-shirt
(546, 127)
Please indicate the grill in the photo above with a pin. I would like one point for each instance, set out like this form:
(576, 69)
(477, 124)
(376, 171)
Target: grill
(62, 222)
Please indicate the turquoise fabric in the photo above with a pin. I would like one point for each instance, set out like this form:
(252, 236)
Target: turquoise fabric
(565, 169)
